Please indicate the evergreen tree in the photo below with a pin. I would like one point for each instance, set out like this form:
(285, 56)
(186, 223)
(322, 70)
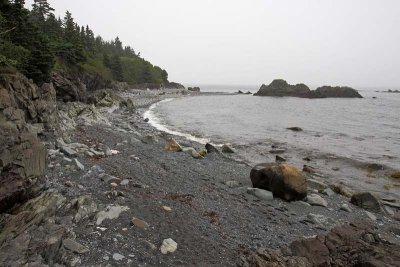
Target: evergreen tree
(164, 76)
(116, 68)
(41, 10)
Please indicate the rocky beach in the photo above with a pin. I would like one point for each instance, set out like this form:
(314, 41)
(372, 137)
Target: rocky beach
(92, 183)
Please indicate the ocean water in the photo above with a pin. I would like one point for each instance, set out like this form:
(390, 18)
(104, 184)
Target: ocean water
(366, 130)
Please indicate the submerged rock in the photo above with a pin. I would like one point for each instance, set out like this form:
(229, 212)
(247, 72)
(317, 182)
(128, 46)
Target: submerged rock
(283, 180)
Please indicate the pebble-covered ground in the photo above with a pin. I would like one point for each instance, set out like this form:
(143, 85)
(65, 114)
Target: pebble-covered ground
(201, 204)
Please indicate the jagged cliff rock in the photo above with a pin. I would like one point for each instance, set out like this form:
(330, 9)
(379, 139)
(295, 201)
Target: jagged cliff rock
(282, 88)
(25, 111)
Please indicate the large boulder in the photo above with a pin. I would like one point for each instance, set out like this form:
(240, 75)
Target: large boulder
(283, 180)
(282, 88)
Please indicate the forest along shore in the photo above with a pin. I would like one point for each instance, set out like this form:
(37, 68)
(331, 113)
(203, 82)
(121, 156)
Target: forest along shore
(120, 192)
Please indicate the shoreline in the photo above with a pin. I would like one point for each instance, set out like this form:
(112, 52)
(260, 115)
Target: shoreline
(328, 167)
(120, 195)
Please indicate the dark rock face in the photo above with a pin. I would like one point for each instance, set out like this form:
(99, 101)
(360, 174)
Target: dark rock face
(283, 180)
(282, 88)
(366, 201)
(25, 111)
(349, 245)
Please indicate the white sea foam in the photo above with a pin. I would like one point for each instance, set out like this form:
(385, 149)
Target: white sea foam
(157, 123)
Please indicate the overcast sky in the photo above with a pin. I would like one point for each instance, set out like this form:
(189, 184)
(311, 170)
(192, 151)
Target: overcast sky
(336, 42)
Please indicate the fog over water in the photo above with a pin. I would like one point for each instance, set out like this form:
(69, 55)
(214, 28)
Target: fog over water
(335, 42)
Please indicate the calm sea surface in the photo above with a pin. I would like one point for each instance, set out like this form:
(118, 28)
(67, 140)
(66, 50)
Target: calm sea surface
(363, 129)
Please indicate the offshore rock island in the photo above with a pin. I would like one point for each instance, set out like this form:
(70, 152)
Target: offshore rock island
(282, 88)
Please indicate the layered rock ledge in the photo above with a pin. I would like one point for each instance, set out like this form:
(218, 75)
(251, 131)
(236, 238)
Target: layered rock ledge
(282, 88)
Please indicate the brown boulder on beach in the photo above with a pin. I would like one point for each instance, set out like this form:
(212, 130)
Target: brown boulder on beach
(283, 180)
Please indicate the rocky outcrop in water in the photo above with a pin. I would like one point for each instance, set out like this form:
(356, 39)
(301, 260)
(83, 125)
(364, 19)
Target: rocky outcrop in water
(282, 88)
(194, 89)
(25, 111)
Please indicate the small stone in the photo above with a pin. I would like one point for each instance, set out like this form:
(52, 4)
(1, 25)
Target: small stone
(108, 152)
(166, 208)
(106, 258)
(371, 215)
(80, 186)
(134, 157)
(232, 184)
(329, 192)
(261, 193)
(336, 169)
(114, 185)
(308, 169)
(279, 159)
(111, 212)
(68, 184)
(317, 218)
(67, 159)
(118, 257)
(302, 203)
(124, 182)
(168, 246)
(345, 207)
(211, 148)
(74, 246)
(295, 129)
(140, 223)
(227, 149)
(79, 165)
(277, 151)
(316, 200)
(317, 184)
(388, 210)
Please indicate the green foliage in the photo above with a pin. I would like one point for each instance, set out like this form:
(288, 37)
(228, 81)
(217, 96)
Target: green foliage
(36, 42)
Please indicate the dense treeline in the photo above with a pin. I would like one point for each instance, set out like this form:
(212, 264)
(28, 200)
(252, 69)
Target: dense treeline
(36, 42)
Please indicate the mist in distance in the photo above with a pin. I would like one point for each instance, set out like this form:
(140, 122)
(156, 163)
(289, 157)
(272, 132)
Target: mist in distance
(335, 42)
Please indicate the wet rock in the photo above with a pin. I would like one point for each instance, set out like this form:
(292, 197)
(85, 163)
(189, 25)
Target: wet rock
(202, 152)
(211, 148)
(316, 200)
(295, 129)
(261, 194)
(366, 201)
(140, 223)
(74, 246)
(168, 246)
(110, 213)
(227, 149)
(172, 146)
(283, 180)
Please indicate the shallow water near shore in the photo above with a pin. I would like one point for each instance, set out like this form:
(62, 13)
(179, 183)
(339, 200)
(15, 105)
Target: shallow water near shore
(366, 130)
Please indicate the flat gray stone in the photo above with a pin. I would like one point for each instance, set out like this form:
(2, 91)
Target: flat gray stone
(316, 200)
(118, 257)
(329, 192)
(79, 165)
(371, 215)
(345, 207)
(261, 193)
(74, 246)
(111, 212)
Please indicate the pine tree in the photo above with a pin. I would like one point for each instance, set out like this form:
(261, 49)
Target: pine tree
(116, 68)
(41, 10)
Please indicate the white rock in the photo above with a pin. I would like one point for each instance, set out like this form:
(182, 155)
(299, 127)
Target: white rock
(79, 165)
(316, 200)
(111, 212)
(345, 207)
(118, 257)
(371, 215)
(168, 246)
(261, 193)
(124, 182)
